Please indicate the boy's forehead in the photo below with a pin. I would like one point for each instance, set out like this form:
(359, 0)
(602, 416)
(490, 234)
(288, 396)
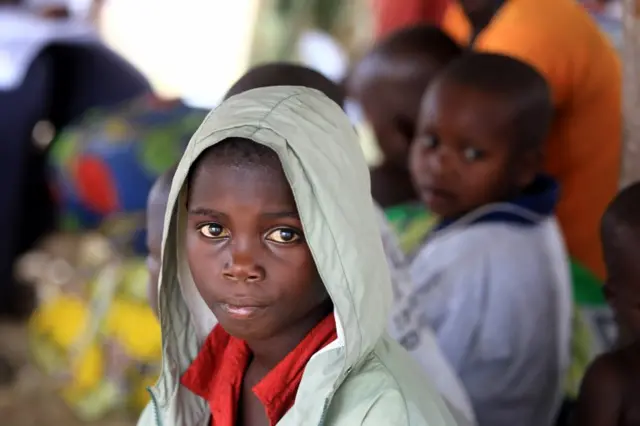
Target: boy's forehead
(449, 96)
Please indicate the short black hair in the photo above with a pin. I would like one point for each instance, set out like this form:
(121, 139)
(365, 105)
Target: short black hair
(425, 40)
(237, 152)
(287, 74)
(524, 90)
(622, 216)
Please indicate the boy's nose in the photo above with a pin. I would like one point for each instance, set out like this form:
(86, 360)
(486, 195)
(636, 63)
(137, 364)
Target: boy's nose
(243, 268)
(439, 162)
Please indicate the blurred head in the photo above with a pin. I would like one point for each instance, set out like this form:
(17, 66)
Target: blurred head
(390, 81)
(245, 245)
(480, 12)
(482, 125)
(620, 233)
(156, 207)
(286, 74)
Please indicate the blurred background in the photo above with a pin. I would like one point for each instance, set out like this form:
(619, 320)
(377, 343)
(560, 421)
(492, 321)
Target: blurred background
(92, 347)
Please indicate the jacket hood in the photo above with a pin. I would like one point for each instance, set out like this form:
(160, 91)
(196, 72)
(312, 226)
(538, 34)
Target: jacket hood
(324, 164)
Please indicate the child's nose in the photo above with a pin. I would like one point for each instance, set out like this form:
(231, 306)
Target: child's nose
(243, 267)
(439, 162)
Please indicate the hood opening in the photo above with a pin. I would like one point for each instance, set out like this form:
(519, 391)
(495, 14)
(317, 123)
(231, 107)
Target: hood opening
(325, 167)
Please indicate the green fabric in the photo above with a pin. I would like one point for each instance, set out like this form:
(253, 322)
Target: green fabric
(363, 378)
(412, 222)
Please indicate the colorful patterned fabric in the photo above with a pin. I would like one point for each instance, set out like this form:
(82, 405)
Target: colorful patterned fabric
(594, 329)
(94, 329)
(104, 167)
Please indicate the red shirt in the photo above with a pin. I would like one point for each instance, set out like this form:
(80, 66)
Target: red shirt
(217, 373)
(392, 15)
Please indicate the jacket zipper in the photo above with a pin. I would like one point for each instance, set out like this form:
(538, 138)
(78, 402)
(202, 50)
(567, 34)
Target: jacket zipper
(156, 411)
(323, 416)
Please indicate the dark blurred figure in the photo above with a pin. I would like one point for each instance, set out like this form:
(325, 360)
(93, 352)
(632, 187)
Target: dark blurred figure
(52, 70)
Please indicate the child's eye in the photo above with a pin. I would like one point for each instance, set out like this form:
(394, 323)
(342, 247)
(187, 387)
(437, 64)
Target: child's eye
(284, 236)
(472, 154)
(213, 231)
(428, 141)
(405, 127)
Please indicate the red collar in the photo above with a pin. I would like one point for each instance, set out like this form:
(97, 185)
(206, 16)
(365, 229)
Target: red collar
(217, 372)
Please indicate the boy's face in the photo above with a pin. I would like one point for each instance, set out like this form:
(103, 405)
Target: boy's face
(247, 252)
(622, 287)
(462, 157)
(391, 104)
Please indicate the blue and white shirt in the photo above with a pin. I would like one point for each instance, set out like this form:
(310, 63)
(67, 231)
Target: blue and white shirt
(432, 360)
(495, 287)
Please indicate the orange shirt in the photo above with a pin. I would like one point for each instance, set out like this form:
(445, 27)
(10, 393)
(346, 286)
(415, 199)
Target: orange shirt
(559, 39)
(217, 372)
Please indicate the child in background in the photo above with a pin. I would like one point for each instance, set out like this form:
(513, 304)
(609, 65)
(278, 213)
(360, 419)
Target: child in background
(609, 395)
(584, 73)
(492, 278)
(388, 83)
(286, 74)
(432, 360)
(271, 234)
(156, 207)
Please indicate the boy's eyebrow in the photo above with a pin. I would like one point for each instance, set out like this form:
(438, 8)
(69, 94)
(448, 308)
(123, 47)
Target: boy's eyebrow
(291, 214)
(203, 211)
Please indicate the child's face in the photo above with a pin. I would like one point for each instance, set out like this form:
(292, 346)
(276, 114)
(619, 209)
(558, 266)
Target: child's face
(462, 155)
(155, 221)
(391, 104)
(623, 279)
(247, 252)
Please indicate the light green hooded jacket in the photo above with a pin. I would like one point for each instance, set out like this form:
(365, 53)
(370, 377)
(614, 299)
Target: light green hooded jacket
(362, 378)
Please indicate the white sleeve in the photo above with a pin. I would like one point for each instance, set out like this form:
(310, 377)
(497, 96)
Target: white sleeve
(450, 301)
(398, 264)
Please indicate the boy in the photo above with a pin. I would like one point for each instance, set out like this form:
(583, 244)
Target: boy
(388, 83)
(584, 72)
(156, 207)
(271, 234)
(609, 392)
(431, 358)
(286, 74)
(492, 278)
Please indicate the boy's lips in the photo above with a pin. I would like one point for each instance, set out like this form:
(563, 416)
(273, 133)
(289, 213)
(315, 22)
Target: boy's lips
(241, 311)
(429, 191)
(436, 197)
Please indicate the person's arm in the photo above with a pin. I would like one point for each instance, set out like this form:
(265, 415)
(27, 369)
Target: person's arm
(449, 300)
(601, 395)
(91, 76)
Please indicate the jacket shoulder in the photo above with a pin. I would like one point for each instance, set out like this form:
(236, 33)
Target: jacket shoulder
(378, 393)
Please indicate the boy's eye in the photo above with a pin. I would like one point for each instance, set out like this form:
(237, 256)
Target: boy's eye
(472, 154)
(213, 230)
(428, 141)
(405, 127)
(284, 236)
